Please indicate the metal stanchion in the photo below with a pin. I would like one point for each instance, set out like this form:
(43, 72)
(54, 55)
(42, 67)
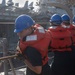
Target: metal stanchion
(12, 67)
(5, 45)
(7, 57)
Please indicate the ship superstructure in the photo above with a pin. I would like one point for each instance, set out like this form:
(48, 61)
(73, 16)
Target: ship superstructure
(9, 11)
(50, 7)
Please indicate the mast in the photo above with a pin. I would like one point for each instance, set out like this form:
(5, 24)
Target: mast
(3, 2)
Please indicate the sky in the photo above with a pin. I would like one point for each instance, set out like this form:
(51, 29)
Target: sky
(21, 2)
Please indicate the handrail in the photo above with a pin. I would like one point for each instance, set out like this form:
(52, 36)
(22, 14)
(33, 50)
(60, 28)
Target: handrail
(7, 57)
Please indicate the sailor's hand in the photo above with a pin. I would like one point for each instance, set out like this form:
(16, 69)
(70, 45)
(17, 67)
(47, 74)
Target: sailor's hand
(20, 56)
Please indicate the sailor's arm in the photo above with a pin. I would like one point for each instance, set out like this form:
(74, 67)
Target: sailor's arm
(36, 69)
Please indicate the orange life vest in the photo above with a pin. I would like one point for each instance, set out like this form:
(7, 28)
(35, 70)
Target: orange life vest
(72, 30)
(60, 39)
(40, 40)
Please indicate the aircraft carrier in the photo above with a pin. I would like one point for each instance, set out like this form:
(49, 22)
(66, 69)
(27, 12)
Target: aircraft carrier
(10, 10)
(41, 13)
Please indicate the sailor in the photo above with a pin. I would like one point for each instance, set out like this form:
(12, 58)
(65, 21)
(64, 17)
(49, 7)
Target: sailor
(66, 21)
(33, 45)
(61, 46)
(73, 35)
(71, 28)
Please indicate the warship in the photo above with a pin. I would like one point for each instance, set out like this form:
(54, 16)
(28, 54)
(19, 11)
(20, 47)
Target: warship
(8, 13)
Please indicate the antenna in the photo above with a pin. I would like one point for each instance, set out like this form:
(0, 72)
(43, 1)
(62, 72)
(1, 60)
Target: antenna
(26, 4)
(3, 2)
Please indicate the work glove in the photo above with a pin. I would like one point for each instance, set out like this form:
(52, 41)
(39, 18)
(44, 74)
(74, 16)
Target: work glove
(20, 56)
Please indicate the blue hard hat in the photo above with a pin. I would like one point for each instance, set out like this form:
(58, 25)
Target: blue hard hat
(74, 19)
(23, 22)
(65, 17)
(56, 19)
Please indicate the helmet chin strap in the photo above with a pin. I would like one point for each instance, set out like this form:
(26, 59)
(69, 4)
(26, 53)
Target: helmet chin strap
(54, 24)
(31, 30)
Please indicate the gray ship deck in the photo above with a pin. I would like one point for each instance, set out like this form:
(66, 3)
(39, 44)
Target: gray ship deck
(18, 72)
